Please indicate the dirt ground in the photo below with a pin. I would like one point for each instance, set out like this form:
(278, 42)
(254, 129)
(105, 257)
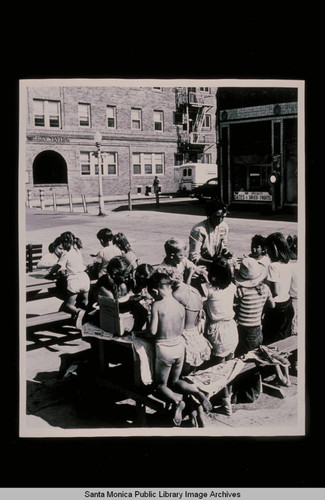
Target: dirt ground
(54, 405)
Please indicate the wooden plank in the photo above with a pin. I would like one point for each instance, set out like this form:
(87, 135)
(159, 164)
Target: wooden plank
(47, 318)
(273, 390)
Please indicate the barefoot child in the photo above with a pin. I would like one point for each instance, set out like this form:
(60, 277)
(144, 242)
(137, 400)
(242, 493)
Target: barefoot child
(78, 283)
(166, 325)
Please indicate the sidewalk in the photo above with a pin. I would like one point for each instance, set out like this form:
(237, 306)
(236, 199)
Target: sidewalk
(78, 201)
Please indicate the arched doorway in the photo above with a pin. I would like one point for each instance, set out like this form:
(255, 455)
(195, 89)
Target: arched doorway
(50, 167)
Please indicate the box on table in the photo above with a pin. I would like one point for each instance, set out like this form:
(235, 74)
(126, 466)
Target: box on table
(110, 318)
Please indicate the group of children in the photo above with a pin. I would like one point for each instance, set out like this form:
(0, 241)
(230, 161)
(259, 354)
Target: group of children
(197, 316)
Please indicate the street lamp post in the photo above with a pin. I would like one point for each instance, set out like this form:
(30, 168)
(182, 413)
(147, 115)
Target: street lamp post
(98, 140)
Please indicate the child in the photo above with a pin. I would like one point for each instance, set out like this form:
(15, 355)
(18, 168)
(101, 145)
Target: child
(258, 250)
(197, 347)
(142, 298)
(252, 296)
(221, 328)
(51, 258)
(176, 260)
(78, 283)
(122, 243)
(166, 326)
(277, 322)
(293, 292)
(116, 283)
(109, 250)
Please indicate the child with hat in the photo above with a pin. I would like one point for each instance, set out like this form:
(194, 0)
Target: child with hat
(251, 298)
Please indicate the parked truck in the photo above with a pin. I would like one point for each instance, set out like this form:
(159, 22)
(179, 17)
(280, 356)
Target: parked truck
(192, 175)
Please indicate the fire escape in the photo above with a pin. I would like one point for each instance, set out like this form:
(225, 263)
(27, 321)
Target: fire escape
(193, 140)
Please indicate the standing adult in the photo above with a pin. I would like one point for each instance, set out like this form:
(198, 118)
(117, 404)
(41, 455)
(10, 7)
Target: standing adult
(209, 238)
(156, 188)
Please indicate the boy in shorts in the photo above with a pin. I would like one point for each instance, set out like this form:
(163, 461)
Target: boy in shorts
(166, 325)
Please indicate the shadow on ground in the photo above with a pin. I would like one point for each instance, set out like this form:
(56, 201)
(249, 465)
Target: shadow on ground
(198, 208)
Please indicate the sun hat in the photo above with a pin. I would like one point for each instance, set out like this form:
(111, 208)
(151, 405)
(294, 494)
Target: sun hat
(250, 273)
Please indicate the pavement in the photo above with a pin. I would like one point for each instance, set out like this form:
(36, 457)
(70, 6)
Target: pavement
(54, 405)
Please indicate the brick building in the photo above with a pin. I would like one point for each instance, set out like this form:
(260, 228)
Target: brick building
(146, 131)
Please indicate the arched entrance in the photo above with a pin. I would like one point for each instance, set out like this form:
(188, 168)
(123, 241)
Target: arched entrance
(50, 167)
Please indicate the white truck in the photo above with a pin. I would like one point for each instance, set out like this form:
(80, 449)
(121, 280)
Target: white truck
(191, 175)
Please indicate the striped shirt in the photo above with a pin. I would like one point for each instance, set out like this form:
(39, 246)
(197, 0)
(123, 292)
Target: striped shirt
(251, 304)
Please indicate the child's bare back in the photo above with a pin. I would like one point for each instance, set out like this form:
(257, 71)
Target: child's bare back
(170, 318)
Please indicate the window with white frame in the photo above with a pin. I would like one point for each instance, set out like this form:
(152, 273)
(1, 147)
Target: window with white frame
(148, 163)
(207, 121)
(89, 163)
(111, 116)
(159, 120)
(110, 163)
(84, 114)
(136, 119)
(47, 113)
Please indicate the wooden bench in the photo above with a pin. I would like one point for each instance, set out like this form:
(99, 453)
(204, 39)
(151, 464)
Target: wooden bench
(46, 319)
(144, 395)
(210, 375)
(33, 255)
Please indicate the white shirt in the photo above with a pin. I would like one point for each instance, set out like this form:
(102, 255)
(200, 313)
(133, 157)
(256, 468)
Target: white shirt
(280, 273)
(104, 255)
(72, 261)
(220, 303)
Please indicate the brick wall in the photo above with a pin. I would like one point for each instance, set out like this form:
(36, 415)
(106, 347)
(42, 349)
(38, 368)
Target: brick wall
(71, 138)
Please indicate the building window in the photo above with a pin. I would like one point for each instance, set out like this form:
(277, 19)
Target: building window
(178, 159)
(177, 118)
(111, 116)
(207, 122)
(85, 163)
(89, 164)
(157, 89)
(84, 114)
(159, 120)
(46, 113)
(136, 121)
(205, 89)
(110, 163)
(148, 163)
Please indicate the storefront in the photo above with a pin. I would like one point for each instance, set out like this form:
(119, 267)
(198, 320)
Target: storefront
(256, 142)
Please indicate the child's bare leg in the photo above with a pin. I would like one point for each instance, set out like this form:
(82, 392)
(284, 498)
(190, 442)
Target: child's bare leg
(69, 305)
(193, 418)
(84, 300)
(162, 373)
(186, 388)
(200, 417)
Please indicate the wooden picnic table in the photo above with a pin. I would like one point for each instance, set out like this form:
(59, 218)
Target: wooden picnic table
(36, 281)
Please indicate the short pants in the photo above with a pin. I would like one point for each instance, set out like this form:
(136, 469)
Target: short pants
(78, 283)
(169, 351)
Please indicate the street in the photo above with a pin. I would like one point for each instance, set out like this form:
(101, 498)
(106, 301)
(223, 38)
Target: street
(147, 227)
(52, 404)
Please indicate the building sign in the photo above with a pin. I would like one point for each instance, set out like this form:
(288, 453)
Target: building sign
(48, 138)
(252, 196)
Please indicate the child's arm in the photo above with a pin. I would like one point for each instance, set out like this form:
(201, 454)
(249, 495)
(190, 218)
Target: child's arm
(193, 268)
(53, 272)
(270, 302)
(153, 326)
